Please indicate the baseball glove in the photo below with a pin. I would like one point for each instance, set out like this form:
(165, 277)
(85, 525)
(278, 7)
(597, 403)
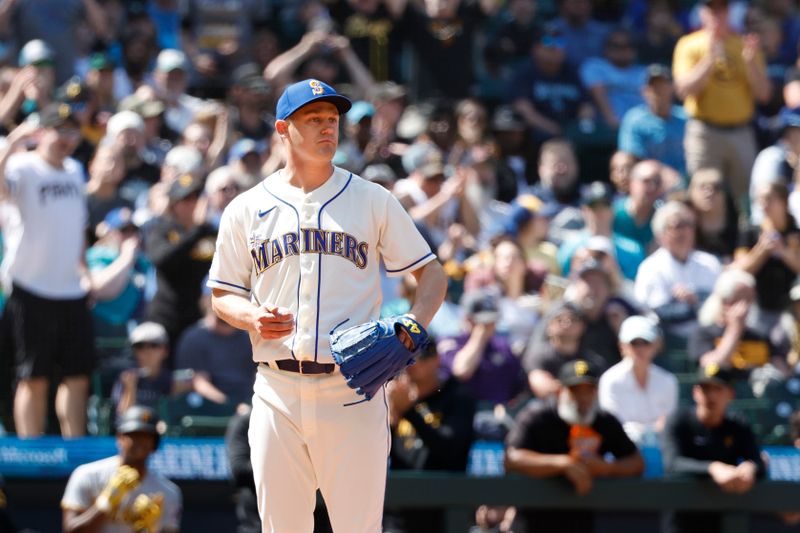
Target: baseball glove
(124, 479)
(145, 512)
(373, 353)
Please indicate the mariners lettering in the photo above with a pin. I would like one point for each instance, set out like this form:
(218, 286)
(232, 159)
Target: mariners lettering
(270, 252)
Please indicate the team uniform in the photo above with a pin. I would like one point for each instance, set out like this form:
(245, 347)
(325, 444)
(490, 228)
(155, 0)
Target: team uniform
(48, 313)
(318, 255)
(87, 481)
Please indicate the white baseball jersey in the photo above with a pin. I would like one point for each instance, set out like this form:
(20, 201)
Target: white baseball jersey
(316, 254)
(87, 482)
(52, 207)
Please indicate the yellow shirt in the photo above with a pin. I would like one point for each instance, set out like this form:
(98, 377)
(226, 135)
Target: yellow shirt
(726, 99)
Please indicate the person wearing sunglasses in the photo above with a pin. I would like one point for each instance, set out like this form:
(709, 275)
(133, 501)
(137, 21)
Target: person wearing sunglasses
(640, 394)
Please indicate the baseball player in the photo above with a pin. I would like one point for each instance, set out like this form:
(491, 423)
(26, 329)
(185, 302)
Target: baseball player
(298, 257)
(119, 494)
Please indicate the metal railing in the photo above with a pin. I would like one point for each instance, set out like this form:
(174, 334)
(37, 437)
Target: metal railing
(459, 495)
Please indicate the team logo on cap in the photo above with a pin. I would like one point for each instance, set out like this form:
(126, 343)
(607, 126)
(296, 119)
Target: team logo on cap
(581, 368)
(185, 180)
(316, 87)
(712, 369)
(145, 416)
(63, 111)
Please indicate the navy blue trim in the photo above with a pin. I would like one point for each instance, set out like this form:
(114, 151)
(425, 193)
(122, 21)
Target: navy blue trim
(412, 264)
(319, 267)
(230, 284)
(262, 214)
(299, 271)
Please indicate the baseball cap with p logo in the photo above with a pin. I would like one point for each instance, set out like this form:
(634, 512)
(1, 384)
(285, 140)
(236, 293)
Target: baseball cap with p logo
(305, 92)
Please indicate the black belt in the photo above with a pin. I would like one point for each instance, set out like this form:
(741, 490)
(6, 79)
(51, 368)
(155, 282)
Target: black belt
(303, 367)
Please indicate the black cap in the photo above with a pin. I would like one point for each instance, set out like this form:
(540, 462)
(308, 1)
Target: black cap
(56, 114)
(595, 192)
(715, 4)
(716, 375)
(183, 187)
(138, 418)
(657, 71)
(577, 372)
(73, 91)
(480, 306)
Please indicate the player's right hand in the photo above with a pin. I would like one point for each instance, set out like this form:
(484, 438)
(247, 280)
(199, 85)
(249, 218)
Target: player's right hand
(273, 322)
(579, 475)
(124, 479)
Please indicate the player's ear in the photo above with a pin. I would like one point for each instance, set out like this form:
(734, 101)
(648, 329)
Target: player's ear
(282, 127)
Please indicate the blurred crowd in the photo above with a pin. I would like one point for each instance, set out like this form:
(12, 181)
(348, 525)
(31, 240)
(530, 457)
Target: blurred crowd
(607, 182)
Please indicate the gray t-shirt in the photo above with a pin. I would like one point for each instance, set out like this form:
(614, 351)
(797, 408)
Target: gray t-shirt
(87, 481)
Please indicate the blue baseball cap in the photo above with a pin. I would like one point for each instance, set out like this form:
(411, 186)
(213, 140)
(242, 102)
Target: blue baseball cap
(790, 117)
(304, 92)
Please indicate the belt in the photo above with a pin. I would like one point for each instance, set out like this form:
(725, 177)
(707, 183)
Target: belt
(302, 367)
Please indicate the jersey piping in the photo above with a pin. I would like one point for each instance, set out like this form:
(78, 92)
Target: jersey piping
(319, 269)
(412, 264)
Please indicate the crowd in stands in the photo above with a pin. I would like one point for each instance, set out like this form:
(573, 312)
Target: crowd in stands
(609, 184)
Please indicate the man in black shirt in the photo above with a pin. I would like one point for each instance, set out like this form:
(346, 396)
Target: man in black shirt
(571, 437)
(431, 425)
(705, 441)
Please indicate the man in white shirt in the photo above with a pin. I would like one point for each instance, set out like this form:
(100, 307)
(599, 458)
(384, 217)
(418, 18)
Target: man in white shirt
(675, 279)
(48, 312)
(640, 394)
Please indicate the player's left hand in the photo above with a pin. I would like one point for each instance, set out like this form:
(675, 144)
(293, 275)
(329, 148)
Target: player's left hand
(145, 512)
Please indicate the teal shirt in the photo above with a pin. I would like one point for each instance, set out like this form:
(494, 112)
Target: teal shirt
(122, 308)
(629, 254)
(625, 225)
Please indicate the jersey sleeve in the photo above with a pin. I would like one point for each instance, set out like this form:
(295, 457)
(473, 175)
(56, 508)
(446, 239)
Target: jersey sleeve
(400, 244)
(172, 510)
(13, 182)
(79, 494)
(232, 265)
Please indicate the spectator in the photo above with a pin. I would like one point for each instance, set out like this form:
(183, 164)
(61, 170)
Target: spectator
(125, 134)
(555, 342)
(250, 96)
(583, 36)
(57, 22)
(640, 394)
(48, 310)
(217, 38)
(246, 158)
(481, 358)
(220, 357)
(727, 339)
(121, 492)
(614, 80)
(33, 85)
(431, 420)
(222, 185)
(429, 197)
(180, 243)
(655, 42)
(105, 175)
(118, 269)
(675, 279)
(528, 222)
(590, 290)
(633, 215)
(157, 137)
(771, 252)
(655, 130)
(720, 77)
(706, 441)
(570, 437)
(149, 381)
(546, 91)
(558, 188)
(356, 149)
(171, 80)
(717, 230)
(515, 282)
(596, 199)
(775, 163)
(620, 165)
